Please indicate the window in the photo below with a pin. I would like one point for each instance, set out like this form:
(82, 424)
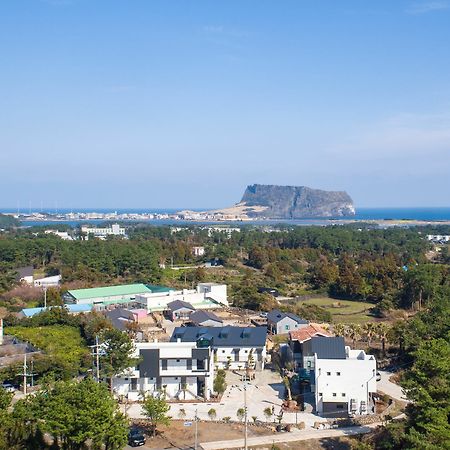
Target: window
(338, 374)
(223, 351)
(340, 406)
(328, 373)
(334, 394)
(133, 386)
(320, 394)
(308, 364)
(200, 364)
(178, 360)
(246, 351)
(343, 394)
(176, 378)
(286, 327)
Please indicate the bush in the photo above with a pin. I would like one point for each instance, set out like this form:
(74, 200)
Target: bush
(212, 413)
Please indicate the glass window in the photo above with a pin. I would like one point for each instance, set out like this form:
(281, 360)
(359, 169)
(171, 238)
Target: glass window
(338, 374)
(340, 406)
(343, 394)
(328, 373)
(334, 394)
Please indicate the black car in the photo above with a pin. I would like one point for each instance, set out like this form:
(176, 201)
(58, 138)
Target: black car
(136, 437)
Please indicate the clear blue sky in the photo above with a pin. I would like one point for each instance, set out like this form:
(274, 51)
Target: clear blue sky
(147, 103)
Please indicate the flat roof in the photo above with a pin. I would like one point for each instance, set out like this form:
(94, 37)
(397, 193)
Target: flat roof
(30, 312)
(110, 291)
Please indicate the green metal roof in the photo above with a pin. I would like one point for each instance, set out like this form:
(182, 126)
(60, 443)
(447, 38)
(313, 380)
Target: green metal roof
(110, 291)
(155, 288)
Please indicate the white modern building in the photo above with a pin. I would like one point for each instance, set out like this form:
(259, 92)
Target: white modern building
(46, 282)
(206, 296)
(114, 230)
(343, 380)
(235, 348)
(64, 235)
(178, 370)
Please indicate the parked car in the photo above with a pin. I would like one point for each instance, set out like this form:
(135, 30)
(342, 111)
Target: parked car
(136, 437)
(378, 376)
(8, 387)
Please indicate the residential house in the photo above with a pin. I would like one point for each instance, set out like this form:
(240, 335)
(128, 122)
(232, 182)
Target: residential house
(233, 347)
(279, 322)
(25, 274)
(178, 370)
(179, 310)
(205, 319)
(298, 337)
(122, 319)
(342, 381)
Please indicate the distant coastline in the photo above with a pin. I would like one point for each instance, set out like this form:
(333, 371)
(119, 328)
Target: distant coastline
(380, 216)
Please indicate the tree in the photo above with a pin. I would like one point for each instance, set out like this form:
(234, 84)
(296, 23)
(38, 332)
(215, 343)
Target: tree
(427, 384)
(268, 413)
(115, 353)
(75, 413)
(220, 384)
(181, 413)
(240, 414)
(212, 414)
(155, 409)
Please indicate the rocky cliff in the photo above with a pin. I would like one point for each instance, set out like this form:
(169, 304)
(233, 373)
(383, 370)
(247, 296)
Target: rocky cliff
(295, 202)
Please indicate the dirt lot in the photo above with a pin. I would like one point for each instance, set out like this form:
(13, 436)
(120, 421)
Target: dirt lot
(178, 436)
(341, 443)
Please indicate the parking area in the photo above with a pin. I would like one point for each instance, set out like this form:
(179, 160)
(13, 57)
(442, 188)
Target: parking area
(266, 391)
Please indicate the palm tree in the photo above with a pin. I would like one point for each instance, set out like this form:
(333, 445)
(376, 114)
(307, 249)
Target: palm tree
(287, 385)
(340, 329)
(383, 334)
(369, 330)
(354, 332)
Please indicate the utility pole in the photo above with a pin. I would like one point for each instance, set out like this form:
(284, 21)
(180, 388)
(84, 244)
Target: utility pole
(45, 297)
(25, 373)
(196, 430)
(245, 416)
(96, 359)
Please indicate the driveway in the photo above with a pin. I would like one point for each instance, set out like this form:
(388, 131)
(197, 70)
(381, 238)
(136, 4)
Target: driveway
(266, 391)
(393, 390)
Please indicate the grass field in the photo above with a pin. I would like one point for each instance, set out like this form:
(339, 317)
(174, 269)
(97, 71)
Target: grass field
(58, 341)
(343, 311)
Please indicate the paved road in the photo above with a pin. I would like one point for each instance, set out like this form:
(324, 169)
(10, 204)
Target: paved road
(293, 436)
(389, 388)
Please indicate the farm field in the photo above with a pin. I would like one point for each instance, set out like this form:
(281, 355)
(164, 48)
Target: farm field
(343, 311)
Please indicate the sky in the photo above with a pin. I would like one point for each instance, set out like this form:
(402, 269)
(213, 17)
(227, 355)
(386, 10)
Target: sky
(182, 103)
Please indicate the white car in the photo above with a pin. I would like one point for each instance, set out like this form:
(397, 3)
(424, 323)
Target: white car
(8, 387)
